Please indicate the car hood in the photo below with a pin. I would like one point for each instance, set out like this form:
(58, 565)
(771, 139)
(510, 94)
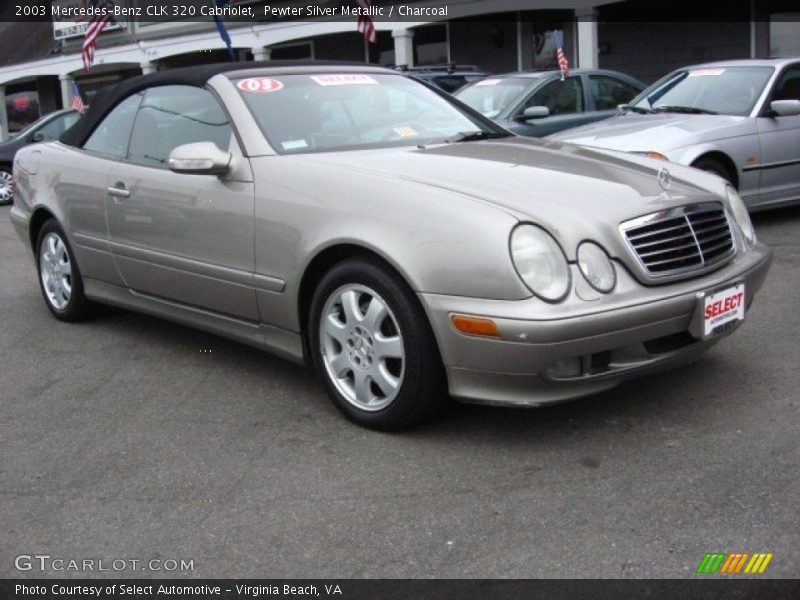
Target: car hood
(660, 132)
(572, 191)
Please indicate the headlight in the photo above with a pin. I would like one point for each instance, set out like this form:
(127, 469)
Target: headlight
(596, 267)
(540, 262)
(742, 217)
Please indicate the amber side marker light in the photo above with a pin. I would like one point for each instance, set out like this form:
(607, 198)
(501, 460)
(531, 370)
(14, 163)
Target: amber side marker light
(475, 325)
(657, 155)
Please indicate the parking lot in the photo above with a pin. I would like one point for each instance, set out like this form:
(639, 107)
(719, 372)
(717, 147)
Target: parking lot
(131, 437)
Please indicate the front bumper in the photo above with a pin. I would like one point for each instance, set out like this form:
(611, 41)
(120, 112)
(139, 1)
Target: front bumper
(632, 331)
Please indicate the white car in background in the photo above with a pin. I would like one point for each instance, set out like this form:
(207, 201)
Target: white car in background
(739, 119)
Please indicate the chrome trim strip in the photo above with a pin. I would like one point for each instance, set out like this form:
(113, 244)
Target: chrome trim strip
(269, 284)
(91, 242)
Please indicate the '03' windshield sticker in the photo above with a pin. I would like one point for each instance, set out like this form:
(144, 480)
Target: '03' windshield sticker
(336, 79)
(259, 85)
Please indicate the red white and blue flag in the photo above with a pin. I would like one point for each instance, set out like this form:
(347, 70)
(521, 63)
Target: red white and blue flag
(77, 101)
(97, 22)
(563, 63)
(365, 24)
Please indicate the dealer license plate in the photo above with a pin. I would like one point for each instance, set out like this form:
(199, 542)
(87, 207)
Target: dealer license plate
(722, 310)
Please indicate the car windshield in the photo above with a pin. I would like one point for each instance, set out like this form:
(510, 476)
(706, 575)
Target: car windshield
(491, 96)
(706, 90)
(348, 111)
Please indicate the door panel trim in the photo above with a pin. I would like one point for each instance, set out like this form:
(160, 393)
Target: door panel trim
(775, 165)
(181, 263)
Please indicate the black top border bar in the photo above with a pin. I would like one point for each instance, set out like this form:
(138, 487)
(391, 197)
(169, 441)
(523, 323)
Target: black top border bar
(266, 11)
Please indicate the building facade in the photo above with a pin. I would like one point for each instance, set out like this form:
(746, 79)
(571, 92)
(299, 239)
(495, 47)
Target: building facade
(42, 60)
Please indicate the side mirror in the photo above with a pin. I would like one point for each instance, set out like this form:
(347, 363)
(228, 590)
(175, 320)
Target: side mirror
(534, 112)
(202, 158)
(785, 108)
(37, 137)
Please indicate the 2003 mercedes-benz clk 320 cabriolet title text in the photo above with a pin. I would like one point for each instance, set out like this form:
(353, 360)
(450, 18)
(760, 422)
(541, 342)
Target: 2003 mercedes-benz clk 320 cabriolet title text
(356, 219)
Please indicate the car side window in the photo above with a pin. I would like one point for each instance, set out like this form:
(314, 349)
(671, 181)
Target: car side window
(57, 126)
(113, 134)
(560, 97)
(609, 92)
(788, 86)
(174, 115)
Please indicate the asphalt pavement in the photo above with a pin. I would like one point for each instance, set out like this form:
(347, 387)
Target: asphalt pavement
(131, 438)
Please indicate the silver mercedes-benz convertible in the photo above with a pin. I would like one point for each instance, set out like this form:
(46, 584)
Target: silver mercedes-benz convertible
(405, 246)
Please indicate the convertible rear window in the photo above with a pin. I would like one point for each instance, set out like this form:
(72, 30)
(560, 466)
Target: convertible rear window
(346, 111)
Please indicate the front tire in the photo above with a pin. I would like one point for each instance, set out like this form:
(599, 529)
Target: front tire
(372, 344)
(59, 277)
(6, 186)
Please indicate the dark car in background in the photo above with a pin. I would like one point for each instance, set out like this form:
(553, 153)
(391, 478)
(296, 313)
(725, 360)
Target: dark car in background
(538, 103)
(449, 78)
(46, 129)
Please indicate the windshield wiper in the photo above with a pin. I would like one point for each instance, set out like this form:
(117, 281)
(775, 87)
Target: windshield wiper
(689, 110)
(637, 109)
(471, 136)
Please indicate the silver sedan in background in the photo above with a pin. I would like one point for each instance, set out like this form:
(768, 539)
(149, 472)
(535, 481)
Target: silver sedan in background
(738, 119)
(405, 246)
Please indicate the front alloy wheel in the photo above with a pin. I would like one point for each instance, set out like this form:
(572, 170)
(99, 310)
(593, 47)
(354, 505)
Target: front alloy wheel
(362, 347)
(371, 341)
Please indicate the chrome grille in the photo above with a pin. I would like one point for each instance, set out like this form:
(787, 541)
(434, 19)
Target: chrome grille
(683, 239)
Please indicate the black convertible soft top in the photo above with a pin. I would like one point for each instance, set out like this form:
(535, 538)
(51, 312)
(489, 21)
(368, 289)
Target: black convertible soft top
(108, 97)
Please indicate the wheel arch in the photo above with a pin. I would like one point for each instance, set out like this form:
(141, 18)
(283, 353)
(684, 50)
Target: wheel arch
(316, 268)
(724, 160)
(38, 219)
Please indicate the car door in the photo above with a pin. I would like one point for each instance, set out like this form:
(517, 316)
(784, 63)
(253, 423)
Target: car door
(607, 93)
(184, 237)
(565, 100)
(780, 142)
(81, 189)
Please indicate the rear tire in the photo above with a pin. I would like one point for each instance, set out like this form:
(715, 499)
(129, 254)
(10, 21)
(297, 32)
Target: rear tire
(59, 277)
(371, 342)
(6, 186)
(712, 165)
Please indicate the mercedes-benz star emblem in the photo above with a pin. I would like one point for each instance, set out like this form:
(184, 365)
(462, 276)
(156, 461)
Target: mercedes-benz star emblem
(664, 179)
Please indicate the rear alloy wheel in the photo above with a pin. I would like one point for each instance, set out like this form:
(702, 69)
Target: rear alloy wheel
(59, 277)
(371, 342)
(6, 186)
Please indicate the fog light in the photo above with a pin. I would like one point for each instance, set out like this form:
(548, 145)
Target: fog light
(564, 368)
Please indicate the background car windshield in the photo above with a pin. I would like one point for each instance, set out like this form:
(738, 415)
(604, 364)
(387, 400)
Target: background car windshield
(723, 90)
(491, 96)
(325, 112)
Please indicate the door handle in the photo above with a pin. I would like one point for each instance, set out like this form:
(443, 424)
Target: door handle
(118, 191)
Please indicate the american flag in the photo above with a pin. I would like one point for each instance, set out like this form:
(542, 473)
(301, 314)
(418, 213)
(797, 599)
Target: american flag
(77, 101)
(563, 63)
(365, 25)
(97, 22)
